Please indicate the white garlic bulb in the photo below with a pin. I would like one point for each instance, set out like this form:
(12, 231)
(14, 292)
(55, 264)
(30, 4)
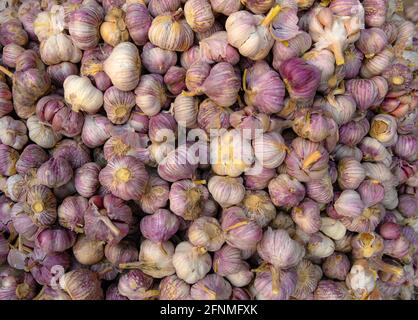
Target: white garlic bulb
(191, 263)
(41, 134)
(123, 66)
(226, 191)
(80, 93)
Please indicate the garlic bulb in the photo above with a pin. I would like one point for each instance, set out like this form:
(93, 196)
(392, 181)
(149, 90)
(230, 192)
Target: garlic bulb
(231, 154)
(191, 263)
(113, 30)
(41, 134)
(80, 93)
(85, 23)
(59, 48)
(199, 15)
(226, 191)
(171, 32)
(123, 66)
(250, 33)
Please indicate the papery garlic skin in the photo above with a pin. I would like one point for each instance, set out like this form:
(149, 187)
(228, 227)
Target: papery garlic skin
(211, 287)
(13, 132)
(206, 232)
(82, 95)
(250, 33)
(231, 154)
(198, 14)
(332, 228)
(226, 191)
(171, 32)
(279, 249)
(123, 66)
(113, 30)
(150, 94)
(40, 134)
(191, 263)
(84, 25)
(226, 7)
(138, 21)
(118, 104)
(125, 177)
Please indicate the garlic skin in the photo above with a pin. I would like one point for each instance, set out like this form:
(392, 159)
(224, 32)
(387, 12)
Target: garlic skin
(84, 25)
(86, 179)
(135, 285)
(263, 88)
(185, 110)
(48, 23)
(269, 149)
(123, 66)
(331, 290)
(157, 60)
(211, 287)
(274, 284)
(9, 157)
(118, 104)
(59, 72)
(138, 21)
(300, 78)
(191, 263)
(250, 33)
(350, 173)
(307, 216)
(42, 204)
(13, 132)
(6, 105)
(190, 56)
(336, 266)
(286, 191)
(176, 165)
(258, 207)
(216, 48)
(12, 32)
(156, 194)
(277, 248)
(226, 191)
(174, 288)
(82, 284)
(113, 30)
(308, 275)
(82, 95)
(211, 116)
(188, 199)
(174, 79)
(226, 7)
(240, 231)
(375, 12)
(59, 48)
(55, 172)
(171, 32)
(231, 154)
(332, 228)
(150, 94)
(383, 128)
(125, 177)
(42, 135)
(198, 14)
(320, 246)
(307, 160)
(361, 279)
(31, 157)
(157, 7)
(159, 226)
(206, 232)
